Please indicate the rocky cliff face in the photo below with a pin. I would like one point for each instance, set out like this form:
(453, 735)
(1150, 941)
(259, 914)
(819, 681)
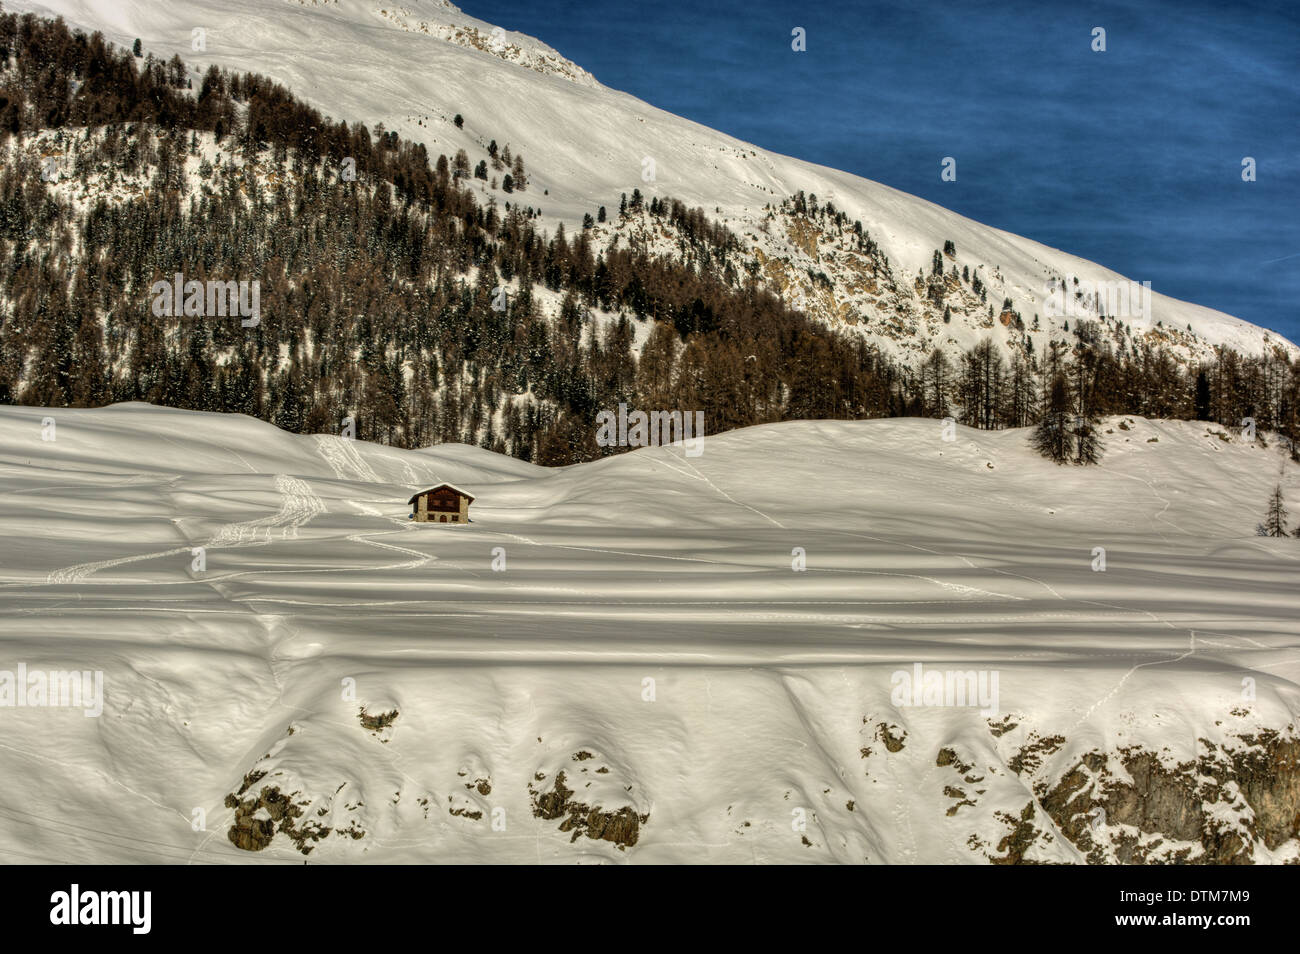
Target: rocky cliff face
(1237, 802)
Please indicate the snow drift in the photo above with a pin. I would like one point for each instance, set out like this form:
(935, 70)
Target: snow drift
(648, 658)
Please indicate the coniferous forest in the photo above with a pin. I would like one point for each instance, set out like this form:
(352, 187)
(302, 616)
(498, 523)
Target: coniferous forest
(381, 291)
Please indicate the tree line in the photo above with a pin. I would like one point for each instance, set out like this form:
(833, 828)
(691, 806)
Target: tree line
(397, 298)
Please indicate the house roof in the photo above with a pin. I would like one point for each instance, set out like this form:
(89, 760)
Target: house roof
(468, 496)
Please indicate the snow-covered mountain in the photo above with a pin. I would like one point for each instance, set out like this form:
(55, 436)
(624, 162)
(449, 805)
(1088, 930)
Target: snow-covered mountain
(654, 657)
(415, 66)
(752, 654)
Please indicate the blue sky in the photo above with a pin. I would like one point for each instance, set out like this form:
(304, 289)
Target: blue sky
(1131, 157)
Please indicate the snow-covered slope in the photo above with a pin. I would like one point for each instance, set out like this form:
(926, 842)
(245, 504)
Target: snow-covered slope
(627, 651)
(415, 65)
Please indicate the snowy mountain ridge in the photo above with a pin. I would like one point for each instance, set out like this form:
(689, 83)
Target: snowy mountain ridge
(416, 66)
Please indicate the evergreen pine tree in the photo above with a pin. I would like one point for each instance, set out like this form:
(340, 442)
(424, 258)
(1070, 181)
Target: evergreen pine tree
(1051, 437)
(1274, 524)
(1087, 442)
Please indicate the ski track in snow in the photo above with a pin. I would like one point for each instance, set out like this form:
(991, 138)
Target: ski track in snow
(298, 505)
(720, 491)
(343, 458)
(419, 559)
(81, 571)
(411, 477)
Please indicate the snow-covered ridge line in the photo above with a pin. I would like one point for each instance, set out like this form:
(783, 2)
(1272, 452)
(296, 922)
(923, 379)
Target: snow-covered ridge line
(369, 61)
(449, 23)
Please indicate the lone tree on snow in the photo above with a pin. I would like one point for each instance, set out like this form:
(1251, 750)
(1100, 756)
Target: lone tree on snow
(1274, 524)
(1063, 436)
(1051, 437)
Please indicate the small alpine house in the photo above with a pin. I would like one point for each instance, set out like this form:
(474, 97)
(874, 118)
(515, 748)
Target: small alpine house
(441, 504)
